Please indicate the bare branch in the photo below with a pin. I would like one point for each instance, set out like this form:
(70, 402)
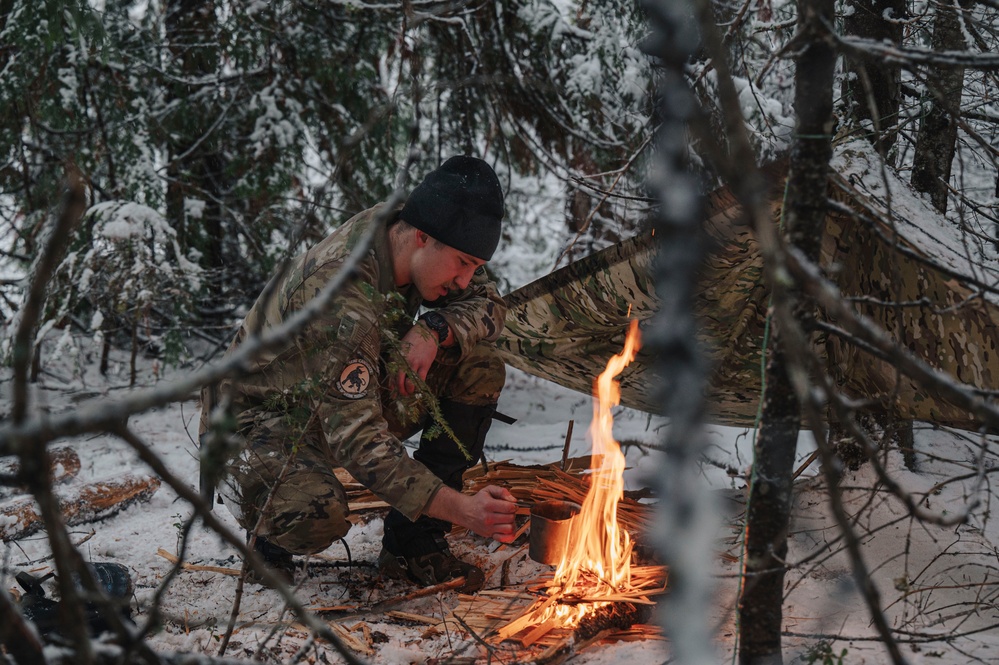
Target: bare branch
(72, 209)
(256, 563)
(912, 57)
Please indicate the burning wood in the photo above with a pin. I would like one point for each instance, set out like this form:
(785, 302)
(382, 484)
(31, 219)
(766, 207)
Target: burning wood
(595, 588)
(534, 484)
(593, 628)
(615, 616)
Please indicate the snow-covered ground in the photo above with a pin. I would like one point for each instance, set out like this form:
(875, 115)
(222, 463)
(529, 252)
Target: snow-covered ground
(934, 581)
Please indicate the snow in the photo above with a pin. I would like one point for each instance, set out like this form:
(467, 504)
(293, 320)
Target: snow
(933, 580)
(936, 235)
(194, 208)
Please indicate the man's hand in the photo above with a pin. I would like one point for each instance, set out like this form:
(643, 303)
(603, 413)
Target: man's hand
(419, 348)
(489, 512)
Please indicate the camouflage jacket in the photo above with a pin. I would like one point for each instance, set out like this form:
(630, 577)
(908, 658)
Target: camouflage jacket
(331, 381)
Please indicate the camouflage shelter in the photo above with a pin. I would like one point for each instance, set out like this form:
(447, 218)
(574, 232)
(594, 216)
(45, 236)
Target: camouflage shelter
(901, 263)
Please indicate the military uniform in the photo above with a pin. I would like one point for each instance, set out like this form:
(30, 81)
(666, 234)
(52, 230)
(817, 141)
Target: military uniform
(323, 400)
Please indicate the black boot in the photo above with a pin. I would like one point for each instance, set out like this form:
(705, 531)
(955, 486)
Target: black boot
(430, 562)
(278, 559)
(418, 550)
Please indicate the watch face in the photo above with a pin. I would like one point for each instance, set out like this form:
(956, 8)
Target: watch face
(436, 323)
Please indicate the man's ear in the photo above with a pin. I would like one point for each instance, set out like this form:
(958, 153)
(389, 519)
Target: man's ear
(421, 238)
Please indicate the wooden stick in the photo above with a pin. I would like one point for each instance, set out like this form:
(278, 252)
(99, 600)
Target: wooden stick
(341, 632)
(419, 593)
(563, 649)
(383, 606)
(172, 558)
(538, 632)
(804, 465)
(565, 447)
(520, 532)
(361, 506)
(415, 618)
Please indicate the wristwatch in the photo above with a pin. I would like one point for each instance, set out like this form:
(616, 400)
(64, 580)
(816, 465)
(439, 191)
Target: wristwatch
(438, 324)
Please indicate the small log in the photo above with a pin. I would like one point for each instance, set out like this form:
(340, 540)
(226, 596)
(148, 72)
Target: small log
(593, 628)
(616, 616)
(64, 465)
(89, 503)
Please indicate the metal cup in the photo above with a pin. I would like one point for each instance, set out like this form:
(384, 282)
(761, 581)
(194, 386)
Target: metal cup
(551, 526)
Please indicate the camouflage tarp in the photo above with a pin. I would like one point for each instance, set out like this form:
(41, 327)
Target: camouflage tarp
(566, 325)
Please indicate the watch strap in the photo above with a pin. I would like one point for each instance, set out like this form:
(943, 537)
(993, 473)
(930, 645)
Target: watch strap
(438, 324)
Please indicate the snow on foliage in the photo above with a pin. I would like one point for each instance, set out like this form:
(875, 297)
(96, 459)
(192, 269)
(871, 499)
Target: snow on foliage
(129, 273)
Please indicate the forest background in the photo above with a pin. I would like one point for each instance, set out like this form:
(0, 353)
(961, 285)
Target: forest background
(161, 159)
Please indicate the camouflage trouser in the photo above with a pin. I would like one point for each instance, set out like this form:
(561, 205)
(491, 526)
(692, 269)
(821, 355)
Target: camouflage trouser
(306, 511)
(284, 471)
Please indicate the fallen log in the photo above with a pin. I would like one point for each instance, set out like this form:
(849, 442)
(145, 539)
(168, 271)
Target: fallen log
(89, 503)
(64, 464)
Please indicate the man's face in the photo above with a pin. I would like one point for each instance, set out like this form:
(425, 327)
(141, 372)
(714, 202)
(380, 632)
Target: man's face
(438, 269)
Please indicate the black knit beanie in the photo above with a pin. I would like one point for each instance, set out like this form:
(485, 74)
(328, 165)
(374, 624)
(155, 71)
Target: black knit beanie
(461, 204)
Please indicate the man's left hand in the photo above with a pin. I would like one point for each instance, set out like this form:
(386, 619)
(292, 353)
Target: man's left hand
(419, 348)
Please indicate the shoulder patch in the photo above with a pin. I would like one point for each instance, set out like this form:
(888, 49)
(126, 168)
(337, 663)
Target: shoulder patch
(355, 379)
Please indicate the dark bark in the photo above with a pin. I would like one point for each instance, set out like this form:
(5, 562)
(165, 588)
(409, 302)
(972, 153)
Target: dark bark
(937, 137)
(872, 87)
(995, 242)
(760, 607)
(768, 514)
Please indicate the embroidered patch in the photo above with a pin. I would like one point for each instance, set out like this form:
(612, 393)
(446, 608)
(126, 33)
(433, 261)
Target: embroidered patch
(354, 379)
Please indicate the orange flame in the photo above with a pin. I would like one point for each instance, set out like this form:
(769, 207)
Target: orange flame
(599, 547)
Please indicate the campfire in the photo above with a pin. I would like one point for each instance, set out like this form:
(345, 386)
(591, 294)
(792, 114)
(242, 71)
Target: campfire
(594, 588)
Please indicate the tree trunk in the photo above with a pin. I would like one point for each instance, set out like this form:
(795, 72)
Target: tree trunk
(196, 166)
(768, 512)
(873, 87)
(767, 517)
(937, 137)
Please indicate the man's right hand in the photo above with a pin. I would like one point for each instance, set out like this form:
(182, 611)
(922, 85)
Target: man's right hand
(490, 512)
